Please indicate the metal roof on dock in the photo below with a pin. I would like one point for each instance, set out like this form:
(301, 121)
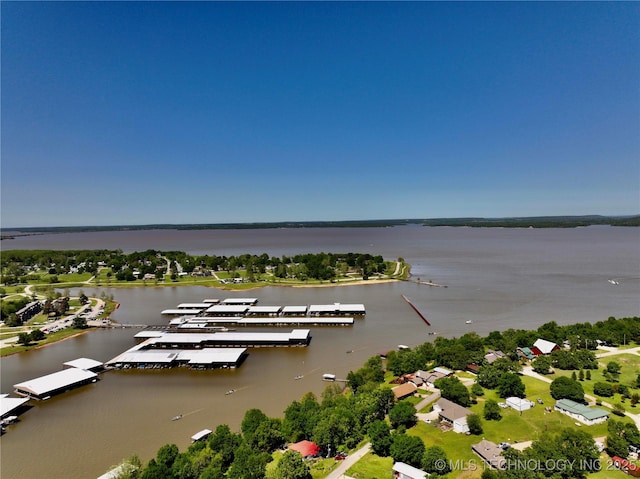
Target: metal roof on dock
(245, 301)
(55, 381)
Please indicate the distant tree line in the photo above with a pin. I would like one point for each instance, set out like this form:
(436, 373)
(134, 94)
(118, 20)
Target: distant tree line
(22, 266)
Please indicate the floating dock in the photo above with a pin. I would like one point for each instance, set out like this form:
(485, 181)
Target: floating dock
(200, 323)
(55, 383)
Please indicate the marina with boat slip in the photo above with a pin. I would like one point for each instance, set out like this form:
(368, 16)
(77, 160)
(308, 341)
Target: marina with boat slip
(198, 338)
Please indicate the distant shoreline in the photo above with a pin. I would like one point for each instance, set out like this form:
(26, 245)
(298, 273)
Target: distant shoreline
(474, 222)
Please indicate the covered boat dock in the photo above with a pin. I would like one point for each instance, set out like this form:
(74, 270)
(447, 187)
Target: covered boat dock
(55, 383)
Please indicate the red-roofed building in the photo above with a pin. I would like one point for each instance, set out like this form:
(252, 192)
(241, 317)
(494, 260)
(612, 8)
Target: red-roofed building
(305, 448)
(626, 466)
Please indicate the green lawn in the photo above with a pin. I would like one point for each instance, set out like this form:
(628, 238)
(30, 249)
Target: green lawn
(371, 466)
(630, 369)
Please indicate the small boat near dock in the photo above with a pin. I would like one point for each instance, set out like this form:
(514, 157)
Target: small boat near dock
(328, 377)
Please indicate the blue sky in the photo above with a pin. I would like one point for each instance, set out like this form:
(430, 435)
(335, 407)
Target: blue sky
(207, 112)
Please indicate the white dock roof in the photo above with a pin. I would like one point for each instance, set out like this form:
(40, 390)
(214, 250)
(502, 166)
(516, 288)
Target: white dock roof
(193, 305)
(294, 310)
(8, 405)
(180, 312)
(228, 308)
(52, 382)
(84, 363)
(240, 301)
(201, 435)
(337, 308)
(264, 309)
(148, 334)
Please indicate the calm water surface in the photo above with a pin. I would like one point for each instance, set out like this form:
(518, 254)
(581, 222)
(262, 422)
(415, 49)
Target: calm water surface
(499, 278)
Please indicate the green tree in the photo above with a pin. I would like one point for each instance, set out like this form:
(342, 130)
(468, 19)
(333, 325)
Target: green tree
(37, 335)
(24, 338)
(292, 466)
(492, 410)
(542, 364)
(403, 414)
(475, 424)
(435, 461)
(603, 389)
(251, 421)
(566, 388)
(452, 388)
(380, 437)
(511, 384)
(407, 449)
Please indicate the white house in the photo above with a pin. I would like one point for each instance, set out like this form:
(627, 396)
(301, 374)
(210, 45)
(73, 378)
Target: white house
(453, 414)
(584, 414)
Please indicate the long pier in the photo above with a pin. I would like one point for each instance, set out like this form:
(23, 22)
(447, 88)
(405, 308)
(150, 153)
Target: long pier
(416, 310)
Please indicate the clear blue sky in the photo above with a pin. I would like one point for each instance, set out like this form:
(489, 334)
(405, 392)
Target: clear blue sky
(207, 112)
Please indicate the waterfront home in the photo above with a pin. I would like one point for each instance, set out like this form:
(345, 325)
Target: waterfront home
(404, 390)
(490, 453)
(543, 347)
(525, 353)
(307, 449)
(493, 356)
(452, 414)
(585, 414)
(405, 471)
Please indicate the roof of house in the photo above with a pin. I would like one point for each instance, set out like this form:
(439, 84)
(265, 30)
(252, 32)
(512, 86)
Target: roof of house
(492, 356)
(451, 411)
(404, 390)
(526, 351)
(305, 448)
(590, 413)
(544, 346)
(490, 453)
(409, 471)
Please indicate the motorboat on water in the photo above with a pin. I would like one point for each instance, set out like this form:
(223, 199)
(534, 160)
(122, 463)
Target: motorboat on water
(175, 418)
(468, 321)
(230, 391)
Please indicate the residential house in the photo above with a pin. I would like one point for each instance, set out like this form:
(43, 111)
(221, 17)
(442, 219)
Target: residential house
(453, 414)
(492, 356)
(585, 414)
(490, 453)
(404, 390)
(307, 449)
(525, 353)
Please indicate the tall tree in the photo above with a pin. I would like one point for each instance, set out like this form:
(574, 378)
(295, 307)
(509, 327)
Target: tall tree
(292, 466)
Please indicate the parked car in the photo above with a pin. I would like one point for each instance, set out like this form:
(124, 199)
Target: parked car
(340, 456)
(504, 445)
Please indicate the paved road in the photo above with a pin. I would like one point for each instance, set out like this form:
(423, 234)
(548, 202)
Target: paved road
(339, 472)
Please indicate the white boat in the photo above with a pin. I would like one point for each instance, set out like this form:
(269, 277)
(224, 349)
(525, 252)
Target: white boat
(299, 376)
(230, 391)
(403, 346)
(328, 377)
(468, 321)
(613, 281)
(175, 418)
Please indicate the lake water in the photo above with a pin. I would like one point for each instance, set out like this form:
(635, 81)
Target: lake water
(498, 278)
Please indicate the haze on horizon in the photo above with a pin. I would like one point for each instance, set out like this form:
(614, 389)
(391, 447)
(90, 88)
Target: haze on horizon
(119, 113)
